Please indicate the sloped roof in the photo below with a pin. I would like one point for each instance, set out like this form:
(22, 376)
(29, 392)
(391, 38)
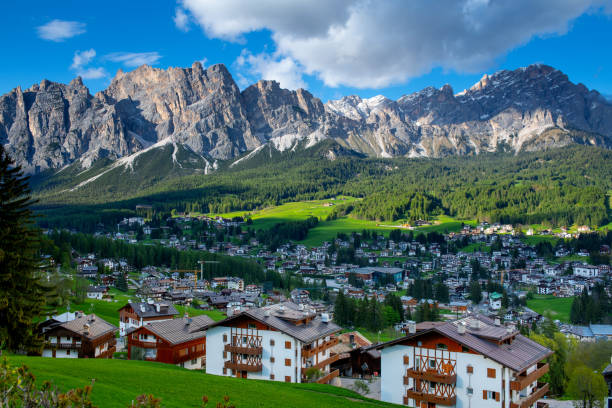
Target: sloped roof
(269, 315)
(518, 355)
(151, 310)
(97, 326)
(180, 330)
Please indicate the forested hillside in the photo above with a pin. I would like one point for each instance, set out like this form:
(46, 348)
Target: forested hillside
(557, 187)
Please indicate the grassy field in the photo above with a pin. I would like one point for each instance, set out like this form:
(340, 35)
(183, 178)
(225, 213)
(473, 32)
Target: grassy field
(118, 382)
(327, 230)
(559, 308)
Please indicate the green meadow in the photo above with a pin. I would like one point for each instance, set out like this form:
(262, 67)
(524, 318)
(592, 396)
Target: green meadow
(119, 382)
(559, 308)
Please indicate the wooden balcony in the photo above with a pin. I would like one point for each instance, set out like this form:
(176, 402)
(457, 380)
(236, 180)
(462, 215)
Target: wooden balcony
(323, 363)
(529, 400)
(426, 397)
(327, 378)
(141, 344)
(189, 356)
(254, 351)
(252, 368)
(63, 346)
(430, 375)
(309, 352)
(523, 381)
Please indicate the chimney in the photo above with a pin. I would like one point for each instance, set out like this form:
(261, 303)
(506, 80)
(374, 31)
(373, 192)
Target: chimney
(497, 321)
(157, 307)
(474, 324)
(461, 328)
(143, 308)
(325, 317)
(150, 301)
(352, 338)
(267, 313)
(92, 318)
(86, 329)
(411, 327)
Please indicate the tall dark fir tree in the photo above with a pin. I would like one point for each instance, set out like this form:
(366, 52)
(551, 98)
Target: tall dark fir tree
(22, 296)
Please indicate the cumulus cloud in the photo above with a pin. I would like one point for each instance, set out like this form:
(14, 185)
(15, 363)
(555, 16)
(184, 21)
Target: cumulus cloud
(284, 70)
(134, 59)
(79, 64)
(92, 73)
(60, 30)
(181, 19)
(372, 44)
(82, 58)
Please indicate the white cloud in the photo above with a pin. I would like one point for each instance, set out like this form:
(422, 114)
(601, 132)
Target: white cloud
(372, 44)
(181, 19)
(203, 61)
(60, 30)
(79, 64)
(134, 59)
(92, 73)
(82, 58)
(284, 70)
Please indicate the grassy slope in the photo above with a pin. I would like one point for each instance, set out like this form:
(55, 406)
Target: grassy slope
(558, 307)
(118, 382)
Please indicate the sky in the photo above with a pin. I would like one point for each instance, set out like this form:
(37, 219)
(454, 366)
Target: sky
(332, 48)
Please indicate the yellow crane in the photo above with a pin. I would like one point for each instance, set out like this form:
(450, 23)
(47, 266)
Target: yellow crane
(195, 271)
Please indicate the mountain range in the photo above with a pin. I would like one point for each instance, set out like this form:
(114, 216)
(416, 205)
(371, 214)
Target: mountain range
(199, 118)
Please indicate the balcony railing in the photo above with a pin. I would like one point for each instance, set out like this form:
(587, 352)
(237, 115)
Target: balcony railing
(327, 378)
(430, 375)
(531, 399)
(243, 349)
(523, 381)
(427, 397)
(189, 356)
(63, 345)
(243, 367)
(108, 353)
(308, 352)
(323, 363)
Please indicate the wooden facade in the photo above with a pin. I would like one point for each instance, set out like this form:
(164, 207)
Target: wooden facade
(165, 351)
(85, 347)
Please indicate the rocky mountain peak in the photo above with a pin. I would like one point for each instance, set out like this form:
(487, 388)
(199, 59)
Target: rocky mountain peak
(51, 125)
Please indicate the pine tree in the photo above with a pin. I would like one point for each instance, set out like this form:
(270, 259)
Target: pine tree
(21, 294)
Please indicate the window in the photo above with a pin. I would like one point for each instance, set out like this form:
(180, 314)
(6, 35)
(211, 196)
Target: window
(271, 342)
(465, 349)
(288, 362)
(244, 339)
(486, 395)
(288, 345)
(470, 391)
(432, 363)
(194, 361)
(252, 326)
(224, 371)
(287, 378)
(271, 376)
(225, 338)
(271, 359)
(67, 352)
(491, 372)
(442, 346)
(419, 343)
(470, 369)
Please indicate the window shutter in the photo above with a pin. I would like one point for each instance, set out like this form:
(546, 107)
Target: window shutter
(470, 369)
(288, 362)
(225, 338)
(287, 344)
(491, 372)
(484, 394)
(497, 396)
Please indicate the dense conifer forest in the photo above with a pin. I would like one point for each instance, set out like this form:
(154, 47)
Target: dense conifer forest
(558, 187)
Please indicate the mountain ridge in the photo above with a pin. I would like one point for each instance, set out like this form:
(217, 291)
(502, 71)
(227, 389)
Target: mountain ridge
(50, 125)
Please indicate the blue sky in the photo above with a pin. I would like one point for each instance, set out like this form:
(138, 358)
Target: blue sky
(350, 47)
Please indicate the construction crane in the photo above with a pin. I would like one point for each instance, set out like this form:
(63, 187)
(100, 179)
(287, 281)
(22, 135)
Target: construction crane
(195, 271)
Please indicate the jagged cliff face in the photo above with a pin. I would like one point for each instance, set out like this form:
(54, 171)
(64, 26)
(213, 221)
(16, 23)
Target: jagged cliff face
(52, 125)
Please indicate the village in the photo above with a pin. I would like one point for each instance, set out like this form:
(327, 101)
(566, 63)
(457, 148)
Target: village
(477, 280)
